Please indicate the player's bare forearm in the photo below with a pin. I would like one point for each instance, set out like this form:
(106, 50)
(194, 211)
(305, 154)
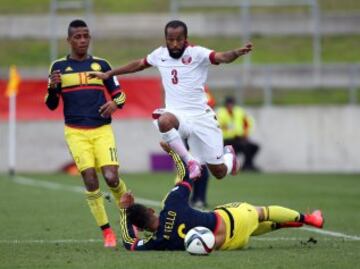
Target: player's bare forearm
(232, 55)
(131, 67)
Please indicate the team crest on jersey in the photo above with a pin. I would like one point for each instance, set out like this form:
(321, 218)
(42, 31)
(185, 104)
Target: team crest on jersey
(95, 67)
(186, 59)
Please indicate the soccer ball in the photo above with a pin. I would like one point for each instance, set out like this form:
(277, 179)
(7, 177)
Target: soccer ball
(199, 241)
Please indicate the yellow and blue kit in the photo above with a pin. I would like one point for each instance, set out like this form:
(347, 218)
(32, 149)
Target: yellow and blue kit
(176, 218)
(82, 96)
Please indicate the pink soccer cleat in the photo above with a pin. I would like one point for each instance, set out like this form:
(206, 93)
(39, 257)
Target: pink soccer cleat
(194, 169)
(109, 238)
(236, 162)
(314, 219)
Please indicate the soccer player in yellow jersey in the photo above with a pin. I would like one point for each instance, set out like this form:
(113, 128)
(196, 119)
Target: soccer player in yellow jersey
(87, 114)
(232, 224)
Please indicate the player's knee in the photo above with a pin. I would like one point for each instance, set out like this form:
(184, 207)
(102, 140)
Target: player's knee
(167, 121)
(91, 183)
(219, 175)
(90, 179)
(218, 171)
(111, 178)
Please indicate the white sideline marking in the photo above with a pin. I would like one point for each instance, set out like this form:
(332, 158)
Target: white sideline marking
(331, 233)
(87, 241)
(77, 189)
(57, 241)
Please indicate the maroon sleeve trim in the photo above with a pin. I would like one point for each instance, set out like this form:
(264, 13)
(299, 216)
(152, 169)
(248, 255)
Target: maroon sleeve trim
(146, 62)
(116, 92)
(212, 58)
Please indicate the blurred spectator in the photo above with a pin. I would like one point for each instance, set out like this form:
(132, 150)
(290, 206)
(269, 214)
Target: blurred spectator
(237, 125)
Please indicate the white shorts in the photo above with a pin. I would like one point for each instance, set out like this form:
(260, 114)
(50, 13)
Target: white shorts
(203, 135)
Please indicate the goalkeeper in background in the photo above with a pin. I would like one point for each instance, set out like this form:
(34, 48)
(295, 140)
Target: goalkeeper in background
(87, 113)
(232, 224)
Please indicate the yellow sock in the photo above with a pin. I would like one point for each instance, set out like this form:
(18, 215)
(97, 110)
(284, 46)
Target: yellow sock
(118, 191)
(280, 214)
(95, 201)
(264, 227)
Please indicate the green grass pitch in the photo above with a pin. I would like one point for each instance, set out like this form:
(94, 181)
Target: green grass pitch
(45, 223)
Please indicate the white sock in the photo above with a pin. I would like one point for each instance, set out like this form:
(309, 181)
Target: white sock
(228, 161)
(174, 140)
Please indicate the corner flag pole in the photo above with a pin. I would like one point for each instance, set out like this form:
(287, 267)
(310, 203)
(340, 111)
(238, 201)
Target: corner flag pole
(11, 92)
(12, 134)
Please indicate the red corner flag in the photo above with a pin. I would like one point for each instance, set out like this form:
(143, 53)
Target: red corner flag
(13, 82)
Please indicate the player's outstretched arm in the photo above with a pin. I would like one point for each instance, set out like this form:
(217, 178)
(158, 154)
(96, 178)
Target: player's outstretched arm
(232, 55)
(131, 67)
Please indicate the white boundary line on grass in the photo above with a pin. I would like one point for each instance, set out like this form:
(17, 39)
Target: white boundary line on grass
(77, 189)
(88, 241)
(55, 241)
(331, 233)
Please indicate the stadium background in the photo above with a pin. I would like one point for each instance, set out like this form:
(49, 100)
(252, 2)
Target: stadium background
(305, 102)
(303, 97)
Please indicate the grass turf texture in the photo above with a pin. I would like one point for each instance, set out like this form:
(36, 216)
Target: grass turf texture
(36, 213)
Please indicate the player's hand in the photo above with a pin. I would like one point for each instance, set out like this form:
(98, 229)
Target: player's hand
(165, 146)
(99, 75)
(244, 50)
(107, 109)
(55, 79)
(126, 200)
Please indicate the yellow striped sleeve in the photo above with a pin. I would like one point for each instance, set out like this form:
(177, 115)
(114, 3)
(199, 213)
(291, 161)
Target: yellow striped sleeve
(180, 168)
(127, 239)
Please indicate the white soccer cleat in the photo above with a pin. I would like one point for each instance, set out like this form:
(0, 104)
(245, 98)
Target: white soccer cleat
(236, 162)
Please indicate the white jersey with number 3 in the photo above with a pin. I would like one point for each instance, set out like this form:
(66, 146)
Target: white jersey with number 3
(184, 79)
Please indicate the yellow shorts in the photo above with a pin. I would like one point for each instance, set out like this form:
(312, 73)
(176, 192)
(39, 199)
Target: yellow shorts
(92, 147)
(241, 220)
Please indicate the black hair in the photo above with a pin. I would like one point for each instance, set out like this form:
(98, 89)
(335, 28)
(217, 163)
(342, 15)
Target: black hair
(229, 100)
(76, 24)
(176, 24)
(138, 215)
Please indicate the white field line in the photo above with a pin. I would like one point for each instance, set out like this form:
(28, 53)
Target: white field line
(331, 233)
(77, 189)
(88, 241)
(56, 241)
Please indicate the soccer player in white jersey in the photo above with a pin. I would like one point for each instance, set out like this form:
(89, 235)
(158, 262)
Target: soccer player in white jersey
(184, 68)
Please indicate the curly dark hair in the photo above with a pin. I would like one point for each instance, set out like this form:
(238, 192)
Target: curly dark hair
(138, 215)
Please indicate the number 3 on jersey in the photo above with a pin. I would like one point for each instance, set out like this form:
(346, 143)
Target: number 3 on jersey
(174, 78)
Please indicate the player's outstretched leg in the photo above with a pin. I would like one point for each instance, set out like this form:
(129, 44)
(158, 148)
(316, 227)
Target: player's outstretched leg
(286, 217)
(168, 126)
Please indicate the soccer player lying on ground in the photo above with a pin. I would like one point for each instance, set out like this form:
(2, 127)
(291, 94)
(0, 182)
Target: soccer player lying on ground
(232, 224)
